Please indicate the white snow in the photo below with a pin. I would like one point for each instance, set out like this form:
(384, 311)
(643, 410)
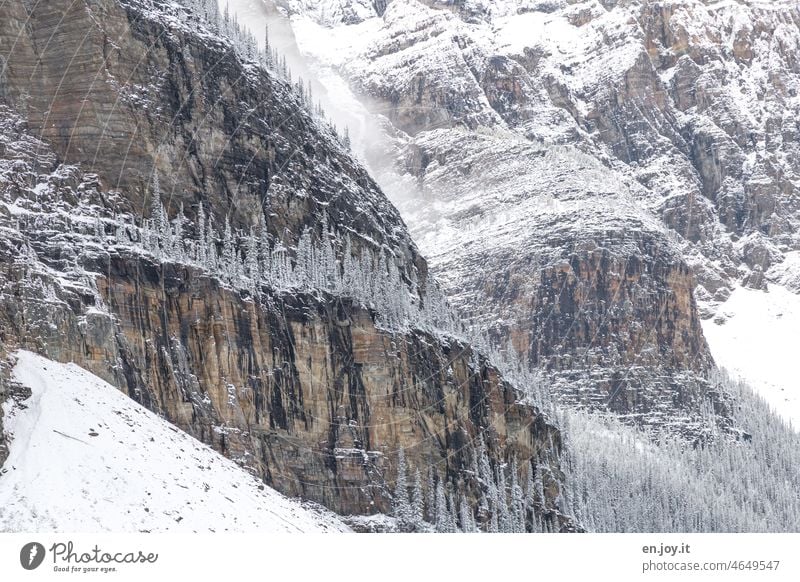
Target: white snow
(787, 272)
(755, 336)
(84, 458)
(521, 31)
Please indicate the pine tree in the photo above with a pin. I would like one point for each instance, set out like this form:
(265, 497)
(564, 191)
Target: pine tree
(530, 490)
(251, 257)
(265, 256)
(485, 468)
(465, 515)
(493, 521)
(348, 268)
(417, 502)
(442, 520)
(430, 493)
(304, 260)
(202, 242)
(213, 14)
(346, 138)
(402, 505)
(517, 501)
(159, 223)
(178, 236)
(267, 48)
(229, 258)
(452, 525)
(501, 504)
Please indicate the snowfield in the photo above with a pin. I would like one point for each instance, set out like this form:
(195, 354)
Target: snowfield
(755, 336)
(86, 458)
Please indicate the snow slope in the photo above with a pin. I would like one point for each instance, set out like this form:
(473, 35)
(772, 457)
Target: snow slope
(755, 336)
(84, 457)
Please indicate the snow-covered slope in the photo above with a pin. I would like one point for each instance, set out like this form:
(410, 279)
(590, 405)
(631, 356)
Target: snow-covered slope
(755, 337)
(84, 457)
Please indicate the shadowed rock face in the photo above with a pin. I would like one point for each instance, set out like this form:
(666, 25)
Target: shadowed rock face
(119, 93)
(304, 390)
(506, 113)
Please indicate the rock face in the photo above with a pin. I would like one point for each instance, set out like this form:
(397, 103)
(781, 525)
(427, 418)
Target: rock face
(592, 290)
(306, 388)
(143, 94)
(587, 171)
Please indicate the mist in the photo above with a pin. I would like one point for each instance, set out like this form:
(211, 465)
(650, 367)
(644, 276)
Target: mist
(374, 140)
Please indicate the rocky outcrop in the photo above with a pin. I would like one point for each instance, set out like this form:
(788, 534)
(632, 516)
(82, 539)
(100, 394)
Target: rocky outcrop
(308, 390)
(594, 292)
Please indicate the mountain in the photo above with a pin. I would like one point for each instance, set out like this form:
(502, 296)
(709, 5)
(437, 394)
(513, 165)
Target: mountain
(85, 457)
(589, 178)
(195, 216)
(180, 220)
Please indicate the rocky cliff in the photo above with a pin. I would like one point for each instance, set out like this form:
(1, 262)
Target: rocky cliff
(573, 158)
(310, 389)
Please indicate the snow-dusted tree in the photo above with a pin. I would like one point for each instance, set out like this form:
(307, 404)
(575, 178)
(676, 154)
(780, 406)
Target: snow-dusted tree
(465, 516)
(401, 502)
(430, 495)
(121, 235)
(485, 472)
(178, 239)
(253, 271)
(517, 501)
(304, 266)
(452, 523)
(349, 278)
(501, 504)
(202, 237)
(417, 500)
(280, 267)
(229, 258)
(442, 519)
(346, 139)
(226, 20)
(159, 235)
(493, 520)
(264, 257)
(267, 54)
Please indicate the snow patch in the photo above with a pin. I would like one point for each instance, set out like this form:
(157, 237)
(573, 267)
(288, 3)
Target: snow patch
(755, 337)
(787, 273)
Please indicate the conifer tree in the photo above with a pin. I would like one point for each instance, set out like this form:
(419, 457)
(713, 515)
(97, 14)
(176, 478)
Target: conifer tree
(430, 493)
(402, 504)
(251, 257)
(465, 516)
(442, 519)
(202, 243)
(417, 502)
(229, 258)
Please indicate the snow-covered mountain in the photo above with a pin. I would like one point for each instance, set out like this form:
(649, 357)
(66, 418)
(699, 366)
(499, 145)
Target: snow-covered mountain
(84, 457)
(182, 219)
(589, 177)
(178, 217)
